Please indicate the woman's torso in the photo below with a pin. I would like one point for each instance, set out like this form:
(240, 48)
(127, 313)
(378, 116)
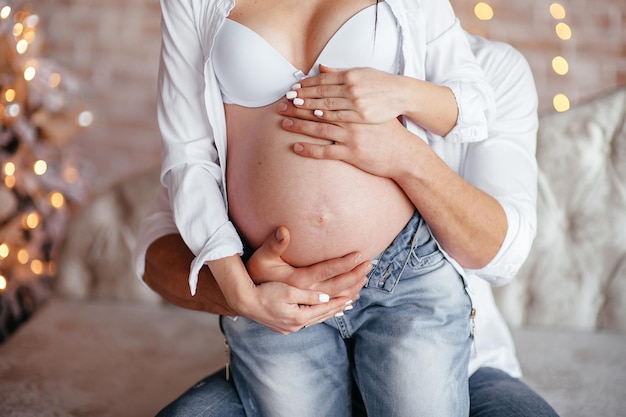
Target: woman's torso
(330, 207)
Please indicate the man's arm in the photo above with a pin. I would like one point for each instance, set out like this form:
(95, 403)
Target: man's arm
(167, 272)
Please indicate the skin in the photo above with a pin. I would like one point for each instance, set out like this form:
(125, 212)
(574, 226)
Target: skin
(361, 108)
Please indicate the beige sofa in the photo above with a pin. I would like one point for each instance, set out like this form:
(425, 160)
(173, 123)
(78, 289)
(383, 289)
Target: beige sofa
(107, 346)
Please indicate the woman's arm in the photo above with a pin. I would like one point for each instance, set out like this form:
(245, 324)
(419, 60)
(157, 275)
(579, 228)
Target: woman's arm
(166, 272)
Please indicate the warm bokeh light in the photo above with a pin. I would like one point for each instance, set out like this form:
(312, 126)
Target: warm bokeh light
(561, 102)
(29, 73)
(563, 31)
(22, 46)
(5, 12)
(57, 200)
(3, 283)
(40, 167)
(54, 80)
(22, 256)
(31, 220)
(9, 95)
(10, 181)
(557, 11)
(560, 65)
(85, 118)
(9, 168)
(36, 266)
(4, 250)
(483, 11)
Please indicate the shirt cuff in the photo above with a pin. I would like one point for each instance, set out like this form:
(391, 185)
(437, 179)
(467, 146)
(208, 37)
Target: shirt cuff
(472, 121)
(225, 242)
(513, 251)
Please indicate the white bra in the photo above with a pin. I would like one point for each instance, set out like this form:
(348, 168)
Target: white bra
(251, 73)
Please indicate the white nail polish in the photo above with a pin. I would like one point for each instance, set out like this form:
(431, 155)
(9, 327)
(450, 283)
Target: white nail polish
(291, 94)
(318, 113)
(348, 308)
(324, 298)
(298, 101)
(296, 86)
(340, 314)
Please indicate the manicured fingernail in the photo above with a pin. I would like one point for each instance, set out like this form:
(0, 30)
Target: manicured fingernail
(348, 308)
(318, 113)
(296, 86)
(282, 106)
(324, 298)
(291, 94)
(298, 101)
(340, 314)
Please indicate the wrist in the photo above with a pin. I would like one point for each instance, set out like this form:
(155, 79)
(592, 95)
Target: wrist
(234, 282)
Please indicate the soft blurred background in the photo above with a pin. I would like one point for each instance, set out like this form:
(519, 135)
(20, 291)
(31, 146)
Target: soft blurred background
(78, 82)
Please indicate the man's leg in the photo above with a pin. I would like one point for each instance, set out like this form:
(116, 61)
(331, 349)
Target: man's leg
(214, 396)
(495, 393)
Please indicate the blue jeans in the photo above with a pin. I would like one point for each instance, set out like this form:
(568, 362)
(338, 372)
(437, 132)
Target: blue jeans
(493, 393)
(410, 338)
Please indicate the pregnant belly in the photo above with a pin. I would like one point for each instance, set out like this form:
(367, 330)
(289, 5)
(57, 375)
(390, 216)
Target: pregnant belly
(331, 208)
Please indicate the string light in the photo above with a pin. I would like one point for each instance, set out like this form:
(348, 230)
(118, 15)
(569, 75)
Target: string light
(9, 168)
(36, 266)
(560, 65)
(5, 12)
(23, 256)
(3, 283)
(56, 199)
(483, 11)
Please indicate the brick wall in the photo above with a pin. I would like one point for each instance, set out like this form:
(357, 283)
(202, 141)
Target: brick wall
(113, 45)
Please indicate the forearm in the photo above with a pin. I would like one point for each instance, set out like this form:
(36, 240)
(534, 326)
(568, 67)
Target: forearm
(166, 273)
(468, 223)
(431, 106)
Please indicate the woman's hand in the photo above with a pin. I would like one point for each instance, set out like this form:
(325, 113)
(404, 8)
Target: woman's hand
(384, 149)
(286, 299)
(358, 95)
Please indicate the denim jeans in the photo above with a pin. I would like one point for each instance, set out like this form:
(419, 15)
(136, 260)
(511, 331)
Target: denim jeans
(493, 393)
(410, 338)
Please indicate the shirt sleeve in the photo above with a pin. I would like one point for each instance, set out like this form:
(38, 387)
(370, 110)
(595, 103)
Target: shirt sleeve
(505, 166)
(191, 169)
(451, 63)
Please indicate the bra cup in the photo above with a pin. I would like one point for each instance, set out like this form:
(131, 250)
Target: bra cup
(251, 73)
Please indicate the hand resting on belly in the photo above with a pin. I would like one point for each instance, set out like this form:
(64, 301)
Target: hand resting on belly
(331, 208)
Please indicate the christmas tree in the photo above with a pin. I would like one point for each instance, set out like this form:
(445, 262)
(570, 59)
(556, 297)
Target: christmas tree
(40, 178)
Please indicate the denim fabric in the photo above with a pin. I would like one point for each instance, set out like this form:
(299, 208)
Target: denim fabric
(409, 334)
(493, 393)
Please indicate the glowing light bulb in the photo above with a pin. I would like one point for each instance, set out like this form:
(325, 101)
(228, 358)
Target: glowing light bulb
(560, 65)
(22, 46)
(9, 168)
(561, 102)
(563, 31)
(9, 95)
(29, 73)
(557, 11)
(31, 220)
(5, 12)
(36, 266)
(56, 199)
(4, 250)
(40, 167)
(483, 11)
(85, 118)
(23, 256)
